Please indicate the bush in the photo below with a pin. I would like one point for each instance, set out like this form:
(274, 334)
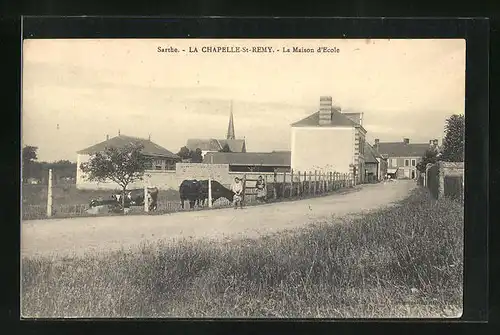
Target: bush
(404, 261)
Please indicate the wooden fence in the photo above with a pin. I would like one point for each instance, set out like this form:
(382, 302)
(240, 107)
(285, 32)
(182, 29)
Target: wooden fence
(279, 186)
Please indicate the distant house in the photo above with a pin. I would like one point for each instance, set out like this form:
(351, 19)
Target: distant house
(375, 164)
(403, 157)
(215, 145)
(329, 140)
(162, 159)
(251, 161)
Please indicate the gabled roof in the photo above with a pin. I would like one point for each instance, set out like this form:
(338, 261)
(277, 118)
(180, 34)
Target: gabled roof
(338, 120)
(250, 158)
(211, 144)
(401, 149)
(203, 144)
(234, 145)
(120, 141)
(371, 154)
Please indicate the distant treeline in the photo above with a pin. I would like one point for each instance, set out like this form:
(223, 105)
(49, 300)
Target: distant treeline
(40, 170)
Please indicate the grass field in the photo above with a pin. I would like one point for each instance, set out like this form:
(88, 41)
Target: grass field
(69, 201)
(68, 194)
(404, 261)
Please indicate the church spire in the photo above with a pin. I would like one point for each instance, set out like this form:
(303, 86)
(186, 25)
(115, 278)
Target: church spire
(230, 128)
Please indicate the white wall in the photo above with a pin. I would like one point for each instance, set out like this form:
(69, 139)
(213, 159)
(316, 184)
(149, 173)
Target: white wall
(322, 148)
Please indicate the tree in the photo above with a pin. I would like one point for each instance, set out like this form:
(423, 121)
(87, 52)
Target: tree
(225, 148)
(29, 154)
(430, 156)
(184, 153)
(454, 139)
(197, 156)
(121, 165)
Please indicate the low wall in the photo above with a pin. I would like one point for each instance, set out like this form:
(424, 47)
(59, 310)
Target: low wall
(165, 180)
(437, 173)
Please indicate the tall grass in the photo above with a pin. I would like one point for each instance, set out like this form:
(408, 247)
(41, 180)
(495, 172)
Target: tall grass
(404, 261)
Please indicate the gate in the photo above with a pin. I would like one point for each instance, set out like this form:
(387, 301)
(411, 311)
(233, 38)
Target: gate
(453, 187)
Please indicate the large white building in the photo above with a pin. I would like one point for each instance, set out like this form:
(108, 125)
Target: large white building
(329, 140)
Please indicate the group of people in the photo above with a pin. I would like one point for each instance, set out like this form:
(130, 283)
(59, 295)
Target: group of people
(238, 190)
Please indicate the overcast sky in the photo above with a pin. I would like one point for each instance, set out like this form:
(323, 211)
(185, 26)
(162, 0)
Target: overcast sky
(77, 91)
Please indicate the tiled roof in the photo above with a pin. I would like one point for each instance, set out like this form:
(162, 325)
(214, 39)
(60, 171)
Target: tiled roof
(234, 145)
(371, 154)
(401, 149)
(338, 120)
(250, 158)
(211, 144)
(203, 144)
(150, 148)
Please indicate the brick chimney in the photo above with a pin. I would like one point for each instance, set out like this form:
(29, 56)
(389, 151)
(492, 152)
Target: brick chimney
(406, 140)
(377, 141)
(325, 110)
(107, 137)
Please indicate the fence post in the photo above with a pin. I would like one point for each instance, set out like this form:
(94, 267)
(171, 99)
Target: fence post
(304, 183)
(298, 184)
(210, 191)
(320, 182)
(275, 195)
(315, 182)
(330, 178)
(243, 198)
(266, 186)
(291, 183)
(49, 195)
(309, 186)
(284, 185)
(146, 204)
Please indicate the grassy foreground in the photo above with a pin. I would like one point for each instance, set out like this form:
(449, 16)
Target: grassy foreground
(404, 261)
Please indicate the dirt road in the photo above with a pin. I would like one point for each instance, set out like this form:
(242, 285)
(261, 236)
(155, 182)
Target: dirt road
(66, 237)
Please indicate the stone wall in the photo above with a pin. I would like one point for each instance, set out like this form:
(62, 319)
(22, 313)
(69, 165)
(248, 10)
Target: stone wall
(436, 174)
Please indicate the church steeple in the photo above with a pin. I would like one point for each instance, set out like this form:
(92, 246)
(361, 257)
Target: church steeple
(230, 128)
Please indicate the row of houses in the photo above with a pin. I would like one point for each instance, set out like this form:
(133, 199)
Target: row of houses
(328, 140)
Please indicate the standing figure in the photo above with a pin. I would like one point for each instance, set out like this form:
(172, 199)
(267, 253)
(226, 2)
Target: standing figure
(237, 188)
(261, 189)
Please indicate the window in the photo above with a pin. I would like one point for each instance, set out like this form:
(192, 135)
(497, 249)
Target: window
(158, 164)
(394, 162)
(407, 162)
(413, 162)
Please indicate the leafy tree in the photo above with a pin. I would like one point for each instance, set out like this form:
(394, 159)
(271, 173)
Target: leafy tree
(197, 156)
(225, 148)
(29, 154)
(121, 165)
(430, 156)
(454, 139)
(184, 153)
